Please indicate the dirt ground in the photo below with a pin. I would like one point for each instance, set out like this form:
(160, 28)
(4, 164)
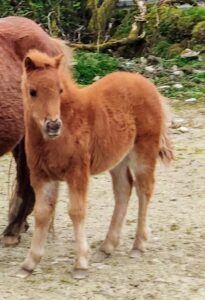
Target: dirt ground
(173, 266)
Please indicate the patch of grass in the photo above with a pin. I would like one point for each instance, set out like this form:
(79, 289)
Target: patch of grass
(162, 48)
(174, 227)
(198, 150)
(193, 83)
(91, 64)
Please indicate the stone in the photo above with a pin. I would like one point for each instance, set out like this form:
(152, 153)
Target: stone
(178, 73)
(154, 59)
(177, 123)
(143, 60)
(188, 53)
(164, 87)
(183, 129)
(96, 78)
(174, 68)
(178, 86)
(190, 101)
(199, 71)
(150, 69)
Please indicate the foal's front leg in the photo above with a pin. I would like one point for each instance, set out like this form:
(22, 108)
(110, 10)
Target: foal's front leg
(78, 186)
(46, 194)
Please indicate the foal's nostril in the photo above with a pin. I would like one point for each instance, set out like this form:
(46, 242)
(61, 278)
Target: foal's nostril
(53, 125)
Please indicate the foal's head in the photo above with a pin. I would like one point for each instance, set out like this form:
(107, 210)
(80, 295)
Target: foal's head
(42, 90)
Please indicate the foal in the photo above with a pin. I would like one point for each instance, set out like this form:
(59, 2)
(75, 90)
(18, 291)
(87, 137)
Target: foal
(115, 124)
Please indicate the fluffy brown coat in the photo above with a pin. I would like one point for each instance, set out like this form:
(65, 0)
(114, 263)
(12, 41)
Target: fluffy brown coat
(116, 124)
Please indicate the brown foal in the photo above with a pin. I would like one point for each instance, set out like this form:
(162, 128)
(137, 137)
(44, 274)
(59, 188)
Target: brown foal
(116, 124)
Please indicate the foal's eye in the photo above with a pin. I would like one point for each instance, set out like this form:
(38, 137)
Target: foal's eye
(61, 90)
(33, 92)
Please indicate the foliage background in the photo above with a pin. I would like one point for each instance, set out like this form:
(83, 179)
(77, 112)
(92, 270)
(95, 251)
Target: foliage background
(178, 28)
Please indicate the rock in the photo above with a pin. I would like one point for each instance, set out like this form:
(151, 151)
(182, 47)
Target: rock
(178, 86)
(188, 53)
(187, 69)
(184, 6)
(183, 129)
(199, 71)
(143, 60)
(96, 78)
(202, 57)
(164, 87)
(150, 69)
(177, 123)
(154, 59)
(190, 101)
(174, 68)
(178, 73)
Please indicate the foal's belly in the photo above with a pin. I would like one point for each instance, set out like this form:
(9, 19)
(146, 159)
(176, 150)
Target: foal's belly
(110, 150)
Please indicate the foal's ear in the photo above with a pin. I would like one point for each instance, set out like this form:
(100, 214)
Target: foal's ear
(29, 64)
(58, 60)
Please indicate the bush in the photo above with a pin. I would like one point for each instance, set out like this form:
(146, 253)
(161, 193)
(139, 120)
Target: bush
(88, 65)
(162, 48)
(175, 23)
(174, 50)
(198, 32)
(126, 19)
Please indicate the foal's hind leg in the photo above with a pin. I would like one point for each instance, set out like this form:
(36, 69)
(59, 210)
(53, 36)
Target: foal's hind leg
(122, 186)
(143, 162)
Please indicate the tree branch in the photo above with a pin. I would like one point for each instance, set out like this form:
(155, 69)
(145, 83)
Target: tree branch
(109, 44)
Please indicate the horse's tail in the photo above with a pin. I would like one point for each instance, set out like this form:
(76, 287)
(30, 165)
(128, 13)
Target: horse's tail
(166, 150)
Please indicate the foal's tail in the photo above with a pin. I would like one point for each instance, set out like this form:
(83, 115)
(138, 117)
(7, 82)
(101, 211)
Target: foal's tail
(166, 150)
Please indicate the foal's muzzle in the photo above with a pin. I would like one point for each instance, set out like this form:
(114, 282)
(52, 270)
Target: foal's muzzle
(53, 128)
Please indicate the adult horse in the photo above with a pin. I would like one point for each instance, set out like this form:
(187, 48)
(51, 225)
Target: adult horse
(17, 36)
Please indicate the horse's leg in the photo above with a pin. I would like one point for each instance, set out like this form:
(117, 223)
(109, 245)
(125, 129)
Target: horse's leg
(122, 187)
(143, 161)
(78, 204)
(46, 195)
(21, 205)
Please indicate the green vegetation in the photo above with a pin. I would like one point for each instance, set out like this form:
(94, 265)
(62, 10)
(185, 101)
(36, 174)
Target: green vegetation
(89, 65)
(198, 32)
(174, 23)
(169, 31)
(193, 81)
(177, 28)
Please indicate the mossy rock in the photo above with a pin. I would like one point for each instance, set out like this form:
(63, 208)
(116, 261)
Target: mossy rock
(198, 32)
(175, 23)
(174, 50)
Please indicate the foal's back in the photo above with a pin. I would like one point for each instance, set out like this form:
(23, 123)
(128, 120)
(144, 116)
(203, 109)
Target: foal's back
(130, 94)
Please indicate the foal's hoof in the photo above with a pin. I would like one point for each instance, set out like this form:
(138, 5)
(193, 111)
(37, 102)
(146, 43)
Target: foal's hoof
(9, 240)
(100, 256)
(135, 253)
(23, 273)
(79, 273)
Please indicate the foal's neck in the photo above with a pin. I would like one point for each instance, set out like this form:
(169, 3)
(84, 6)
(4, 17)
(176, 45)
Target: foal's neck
(73, 95)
